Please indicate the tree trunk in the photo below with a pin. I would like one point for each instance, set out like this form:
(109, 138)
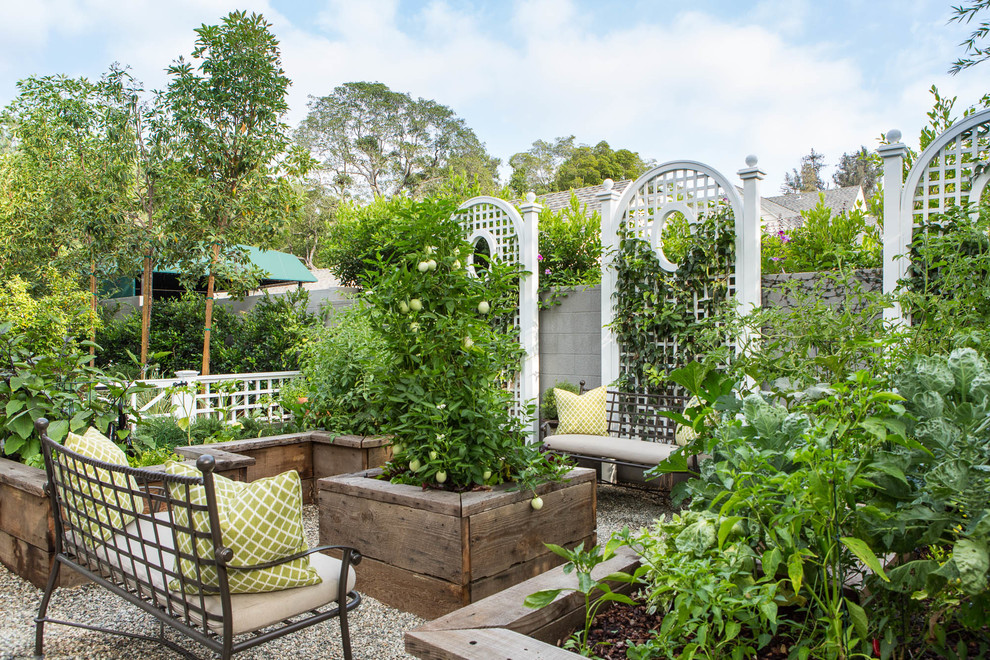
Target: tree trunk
(146, 289)
(209, 310)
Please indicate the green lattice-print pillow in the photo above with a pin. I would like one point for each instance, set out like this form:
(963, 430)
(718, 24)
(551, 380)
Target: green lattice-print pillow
(100, 520)
(581, 413)
(260, 521)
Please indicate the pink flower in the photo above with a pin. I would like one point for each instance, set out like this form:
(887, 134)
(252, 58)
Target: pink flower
(782, 235)
(546, 272)
(539, 257)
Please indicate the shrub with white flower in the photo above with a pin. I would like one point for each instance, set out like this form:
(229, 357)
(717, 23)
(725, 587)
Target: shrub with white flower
(453, 346)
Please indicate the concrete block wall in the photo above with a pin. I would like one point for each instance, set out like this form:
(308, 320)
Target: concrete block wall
(777, 289)
(570, 339)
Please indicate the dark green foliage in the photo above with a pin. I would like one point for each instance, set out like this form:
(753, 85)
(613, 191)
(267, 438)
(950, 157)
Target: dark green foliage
(548, 409)
(860, 168)
(264, 339)
(161, 433)
(589, 166)
(809, 179)
(361, 235)
(570, 249)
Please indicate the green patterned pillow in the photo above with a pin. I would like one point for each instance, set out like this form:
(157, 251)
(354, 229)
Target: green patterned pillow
(108, 520)
(581, 413)
(260, 521)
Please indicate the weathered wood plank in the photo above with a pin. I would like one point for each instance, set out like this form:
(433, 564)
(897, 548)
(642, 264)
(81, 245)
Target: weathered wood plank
(270, 461)
(403, 536)
(480, 644)
(330, 460)
(437, 501)
(515, 534)
(422, 595)
(23, 477)
(506, 610)
(519, 572)
(26, 514)
(33, 563)
(475, 502)
(357, 441)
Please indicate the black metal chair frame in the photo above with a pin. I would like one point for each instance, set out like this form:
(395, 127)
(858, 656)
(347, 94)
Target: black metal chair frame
(632, 415)
(154, 498)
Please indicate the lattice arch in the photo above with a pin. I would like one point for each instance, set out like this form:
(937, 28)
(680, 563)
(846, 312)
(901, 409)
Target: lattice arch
(512, 238)
(951, 171)
(691, 189)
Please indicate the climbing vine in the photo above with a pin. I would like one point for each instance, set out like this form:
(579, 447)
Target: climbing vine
(660, 314)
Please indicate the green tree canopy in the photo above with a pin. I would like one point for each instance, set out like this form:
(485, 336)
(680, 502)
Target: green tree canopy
(859, 168)
(809, 179)
(975, 51)
(371, 141)
(589, 166)
(536, 169)
(234, 150)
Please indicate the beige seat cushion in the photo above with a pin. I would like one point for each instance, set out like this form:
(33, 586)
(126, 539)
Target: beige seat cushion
(621, 449)
(250, 611)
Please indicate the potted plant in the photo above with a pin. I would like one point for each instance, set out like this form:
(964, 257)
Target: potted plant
(445, 318)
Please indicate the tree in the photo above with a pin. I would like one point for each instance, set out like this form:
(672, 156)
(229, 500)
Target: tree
(859, 168)
(69, 176)
(375, 142)
(588, 166)
(303, 232)
(536, 170)
(233, 151)
(809, 179)
(975, 53)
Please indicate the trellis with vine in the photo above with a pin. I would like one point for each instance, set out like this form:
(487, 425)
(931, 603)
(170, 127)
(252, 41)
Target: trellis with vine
(659, 313)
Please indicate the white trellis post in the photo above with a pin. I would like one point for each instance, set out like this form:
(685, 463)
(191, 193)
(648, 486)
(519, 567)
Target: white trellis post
(897, 227)
(749, 270)
(610, 251)
(529, 314)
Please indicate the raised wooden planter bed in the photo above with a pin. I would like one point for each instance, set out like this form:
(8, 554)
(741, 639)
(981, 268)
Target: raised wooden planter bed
(431, 552)
(500, 626)
(27, 540)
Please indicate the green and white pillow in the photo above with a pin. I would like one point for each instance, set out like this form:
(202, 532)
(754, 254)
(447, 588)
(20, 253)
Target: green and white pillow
(581, 413)
(260, 521)
(108, 520)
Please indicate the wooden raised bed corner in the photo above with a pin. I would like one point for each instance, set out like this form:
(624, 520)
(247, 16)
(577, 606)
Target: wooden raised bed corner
(431, 552)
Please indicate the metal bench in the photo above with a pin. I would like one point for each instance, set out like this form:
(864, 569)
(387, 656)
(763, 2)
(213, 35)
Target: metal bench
(137, 561)
(639, 436)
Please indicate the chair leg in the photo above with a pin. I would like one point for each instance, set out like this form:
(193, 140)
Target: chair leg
(345, 633)
(39, 621)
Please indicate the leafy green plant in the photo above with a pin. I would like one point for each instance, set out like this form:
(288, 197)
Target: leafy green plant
(161, 433)
(448, 333)
(156, 456)
(340, 367)
(548, 408)
(596, 592)
(824, 242)
(702, 573)
(570, 250)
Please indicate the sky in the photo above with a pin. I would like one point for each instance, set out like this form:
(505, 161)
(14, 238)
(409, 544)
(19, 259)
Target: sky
(711, 80)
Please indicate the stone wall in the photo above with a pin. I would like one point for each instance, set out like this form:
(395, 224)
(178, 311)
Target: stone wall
(778, 292)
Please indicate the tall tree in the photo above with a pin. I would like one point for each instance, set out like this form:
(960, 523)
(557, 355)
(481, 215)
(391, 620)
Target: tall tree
(227, 117)
(303, 233)
(536, 169)
(859, 168)
(375, 142)
(589, 166)
(70, 174)
(809, 179)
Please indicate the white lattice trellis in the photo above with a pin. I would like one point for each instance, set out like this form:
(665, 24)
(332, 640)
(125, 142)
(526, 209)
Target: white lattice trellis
(951, 171)
(512, 238)
(691, 189)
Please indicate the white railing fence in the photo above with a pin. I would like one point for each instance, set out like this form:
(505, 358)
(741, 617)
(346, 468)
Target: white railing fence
(229, 396)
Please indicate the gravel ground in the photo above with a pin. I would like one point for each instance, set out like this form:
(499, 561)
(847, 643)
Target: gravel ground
(376, 630)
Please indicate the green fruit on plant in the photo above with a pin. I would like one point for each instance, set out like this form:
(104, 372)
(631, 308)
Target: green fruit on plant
(431, 264)
(423, 266)
(486, 475)
(468, 343)
(537, 503)
(414, 465)
(433, 456)
(484, 307)
(404, 307)
(415, 304)
(456, 264)
(441, 477)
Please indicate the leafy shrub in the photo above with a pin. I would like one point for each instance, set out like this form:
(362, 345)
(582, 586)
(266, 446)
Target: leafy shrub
(824, 242)
(361, 236)
(341, 366)
(58, 311)
(548, 410)
(157, 456)
(60, 386)
(161, 433)
(570, 248)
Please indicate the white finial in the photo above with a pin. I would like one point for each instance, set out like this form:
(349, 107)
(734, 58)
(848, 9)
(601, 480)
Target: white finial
(607, 184)
(751, 160)
(531, 197)
(893, 136)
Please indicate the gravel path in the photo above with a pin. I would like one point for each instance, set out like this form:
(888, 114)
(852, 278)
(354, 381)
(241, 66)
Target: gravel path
(376, 630)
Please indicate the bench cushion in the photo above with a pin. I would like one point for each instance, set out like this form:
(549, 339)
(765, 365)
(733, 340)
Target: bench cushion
(620, 449)
(249, 611)
(260, 521)
(581, 413)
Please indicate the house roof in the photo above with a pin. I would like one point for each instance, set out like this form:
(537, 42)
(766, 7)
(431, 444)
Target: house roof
(278, 266)
(587, 196)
